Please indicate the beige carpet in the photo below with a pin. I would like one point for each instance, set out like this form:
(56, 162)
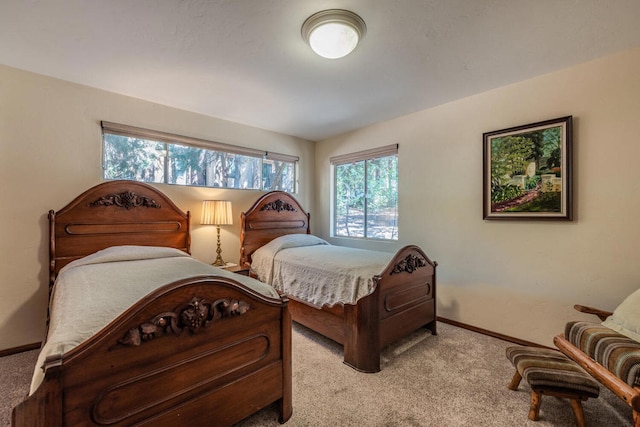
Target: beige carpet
(458, 378)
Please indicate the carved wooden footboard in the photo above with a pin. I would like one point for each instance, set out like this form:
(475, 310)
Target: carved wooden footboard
(407, 294)
(404, 298)
(207, 350)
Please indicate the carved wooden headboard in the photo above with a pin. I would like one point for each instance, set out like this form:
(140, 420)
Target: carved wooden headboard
(115, 213)
(274, 214)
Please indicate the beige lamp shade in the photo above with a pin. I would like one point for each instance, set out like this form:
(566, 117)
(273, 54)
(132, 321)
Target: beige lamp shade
(216, 212)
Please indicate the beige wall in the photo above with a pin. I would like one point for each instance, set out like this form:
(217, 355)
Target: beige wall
(50, 151)
(517, 278)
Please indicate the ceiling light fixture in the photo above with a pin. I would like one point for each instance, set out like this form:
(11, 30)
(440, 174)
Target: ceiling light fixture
(333, 33)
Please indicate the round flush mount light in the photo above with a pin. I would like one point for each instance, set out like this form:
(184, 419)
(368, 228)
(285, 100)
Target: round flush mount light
(333, 33)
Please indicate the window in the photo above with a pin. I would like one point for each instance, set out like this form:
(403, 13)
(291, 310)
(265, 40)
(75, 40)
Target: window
(366, 194)
(150, 156)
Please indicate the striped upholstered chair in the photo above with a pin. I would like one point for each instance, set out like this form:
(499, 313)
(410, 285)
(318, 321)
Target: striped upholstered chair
(609, 351)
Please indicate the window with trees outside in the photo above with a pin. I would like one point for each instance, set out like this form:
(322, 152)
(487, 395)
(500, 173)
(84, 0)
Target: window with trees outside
(151, 156)
(366, 194)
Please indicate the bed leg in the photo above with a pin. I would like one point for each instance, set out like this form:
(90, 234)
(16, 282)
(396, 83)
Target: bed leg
(432, 327)
(44, 407)
(362, 336)
(286, 403)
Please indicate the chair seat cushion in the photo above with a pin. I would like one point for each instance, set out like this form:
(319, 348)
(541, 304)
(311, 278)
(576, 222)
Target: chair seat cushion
(616, 352)
(550, 370)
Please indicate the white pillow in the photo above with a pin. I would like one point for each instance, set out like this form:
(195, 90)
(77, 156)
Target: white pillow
(626, 318)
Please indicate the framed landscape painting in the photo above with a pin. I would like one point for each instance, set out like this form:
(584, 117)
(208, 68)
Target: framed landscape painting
(527, 171)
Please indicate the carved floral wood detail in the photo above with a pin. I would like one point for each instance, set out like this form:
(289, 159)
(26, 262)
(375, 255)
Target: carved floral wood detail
(194, 316)
(409, 264)
(126, 199)
(278, 206)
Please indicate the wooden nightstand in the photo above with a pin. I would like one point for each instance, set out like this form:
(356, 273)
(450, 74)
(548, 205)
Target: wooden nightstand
(239, 269)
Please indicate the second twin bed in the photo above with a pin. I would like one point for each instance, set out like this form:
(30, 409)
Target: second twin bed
(361, 299)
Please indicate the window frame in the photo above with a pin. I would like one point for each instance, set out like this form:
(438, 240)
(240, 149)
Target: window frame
(360, 156)
(180, 140)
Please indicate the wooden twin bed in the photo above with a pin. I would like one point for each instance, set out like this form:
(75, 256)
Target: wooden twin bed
(204, 350)
(403, 299)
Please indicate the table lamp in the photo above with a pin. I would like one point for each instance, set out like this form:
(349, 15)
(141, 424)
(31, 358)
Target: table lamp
(217, 212)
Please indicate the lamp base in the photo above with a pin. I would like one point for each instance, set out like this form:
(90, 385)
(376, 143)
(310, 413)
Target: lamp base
(219, 262)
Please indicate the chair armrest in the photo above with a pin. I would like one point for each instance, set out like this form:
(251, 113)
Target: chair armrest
(602, 315)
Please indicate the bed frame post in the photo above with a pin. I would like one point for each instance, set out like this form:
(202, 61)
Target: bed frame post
(52, 249)
(44, 407)
(286, 403)
(362, 335)
(433, 325)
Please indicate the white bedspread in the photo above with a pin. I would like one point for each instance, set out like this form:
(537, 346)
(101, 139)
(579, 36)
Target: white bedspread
(310, 269)
(92, 291)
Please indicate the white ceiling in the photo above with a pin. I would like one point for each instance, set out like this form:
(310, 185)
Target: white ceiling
(245, 60)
